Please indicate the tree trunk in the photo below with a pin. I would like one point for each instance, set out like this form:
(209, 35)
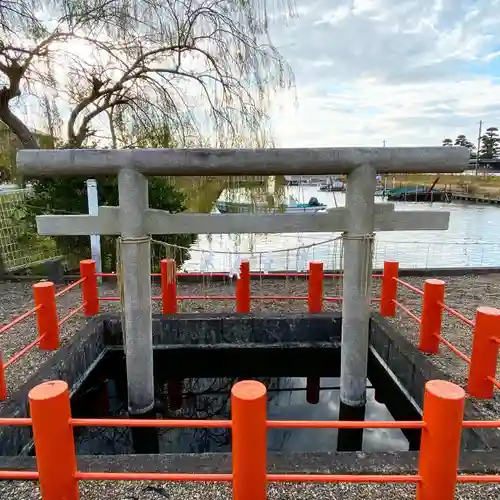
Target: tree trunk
(28, 139)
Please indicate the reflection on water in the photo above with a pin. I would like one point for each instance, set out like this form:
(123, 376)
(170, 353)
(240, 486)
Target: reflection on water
(208, 398)
(470, 241)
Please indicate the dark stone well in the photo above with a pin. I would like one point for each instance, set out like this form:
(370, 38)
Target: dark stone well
(393, 360)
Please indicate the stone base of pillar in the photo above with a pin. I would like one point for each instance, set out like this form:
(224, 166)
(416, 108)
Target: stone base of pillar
(145, 439)
(350, 439)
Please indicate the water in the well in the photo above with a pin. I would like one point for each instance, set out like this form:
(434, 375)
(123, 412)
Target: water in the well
(205, 397)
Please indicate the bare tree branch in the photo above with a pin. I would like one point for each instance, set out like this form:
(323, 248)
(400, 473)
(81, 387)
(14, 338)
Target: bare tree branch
(194, 67)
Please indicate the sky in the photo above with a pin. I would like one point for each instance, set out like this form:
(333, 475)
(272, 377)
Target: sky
(408, 72)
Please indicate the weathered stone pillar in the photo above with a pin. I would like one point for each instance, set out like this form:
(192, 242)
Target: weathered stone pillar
(135, 255)
(358, 242)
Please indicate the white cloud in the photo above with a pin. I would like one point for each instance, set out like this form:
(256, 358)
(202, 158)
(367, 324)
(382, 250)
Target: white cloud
(408, 72)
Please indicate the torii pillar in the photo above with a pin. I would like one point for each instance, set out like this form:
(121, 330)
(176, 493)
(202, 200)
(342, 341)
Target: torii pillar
(358, 247)
(135, 276)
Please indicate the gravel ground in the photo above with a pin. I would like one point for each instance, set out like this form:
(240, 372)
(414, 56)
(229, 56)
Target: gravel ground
(465, 293)
(203, 491)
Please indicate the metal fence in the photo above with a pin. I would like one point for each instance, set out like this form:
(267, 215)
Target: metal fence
(16, 254)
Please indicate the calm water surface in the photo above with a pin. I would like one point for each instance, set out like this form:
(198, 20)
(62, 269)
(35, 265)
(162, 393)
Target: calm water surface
(472, 240)
(208, 398)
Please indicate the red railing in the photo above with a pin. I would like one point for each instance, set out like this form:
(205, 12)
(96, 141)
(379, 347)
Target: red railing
(486, 341)
(47, 321)
(485, 336)
(443, 403)
(242, 298)
(437, 477)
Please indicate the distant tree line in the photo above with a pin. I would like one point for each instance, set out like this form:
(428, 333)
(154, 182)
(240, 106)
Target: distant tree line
(489, 144)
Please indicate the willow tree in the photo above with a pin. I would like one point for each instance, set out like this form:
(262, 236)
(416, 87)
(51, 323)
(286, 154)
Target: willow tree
(132, 73)
(201, 67)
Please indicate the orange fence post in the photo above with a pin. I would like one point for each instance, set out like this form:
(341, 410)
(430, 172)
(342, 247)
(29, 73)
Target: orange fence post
(389, 289)
(90, 292)
(168, 286)
(46, 317)
(243, 288)
(249, 440)
(440, 443)
(54, 441)
(483, 365)
(315, 287)
(3, 384)
(432, 314)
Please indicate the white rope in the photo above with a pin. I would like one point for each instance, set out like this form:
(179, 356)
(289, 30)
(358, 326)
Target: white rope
(266, 252)
(363, 237)
(367, 257)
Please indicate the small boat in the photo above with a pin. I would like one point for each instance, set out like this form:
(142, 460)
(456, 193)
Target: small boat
(293, 206)
(333, 188)
(415, 193)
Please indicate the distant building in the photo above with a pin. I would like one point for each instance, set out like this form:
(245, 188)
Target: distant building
(485, 164)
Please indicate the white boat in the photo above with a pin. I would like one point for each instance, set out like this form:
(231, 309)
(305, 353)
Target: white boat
(293, 206)
(333, 185)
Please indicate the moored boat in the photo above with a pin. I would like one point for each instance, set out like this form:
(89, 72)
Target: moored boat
(293, 206)
(333, 185)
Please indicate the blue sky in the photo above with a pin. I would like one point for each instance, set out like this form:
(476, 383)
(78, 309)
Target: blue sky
(409, 72)
(488, 68)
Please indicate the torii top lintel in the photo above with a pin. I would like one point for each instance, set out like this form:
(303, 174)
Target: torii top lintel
(213, 162)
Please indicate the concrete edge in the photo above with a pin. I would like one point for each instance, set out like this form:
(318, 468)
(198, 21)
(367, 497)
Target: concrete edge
(416, 272)
(423, 371)
(210, 329)
(71, 363)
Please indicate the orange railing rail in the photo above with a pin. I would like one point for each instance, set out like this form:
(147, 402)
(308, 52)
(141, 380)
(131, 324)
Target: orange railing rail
(486, 337)
(47, 321)
(443, 402)
(486, 328)
(437, 476)
(242, 298)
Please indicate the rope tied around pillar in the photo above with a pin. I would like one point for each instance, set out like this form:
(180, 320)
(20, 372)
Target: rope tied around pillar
(119, 269)
(130, 240)
(367, 256)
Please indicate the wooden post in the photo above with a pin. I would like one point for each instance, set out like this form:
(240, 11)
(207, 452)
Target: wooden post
(315, 287)
(389, 289)
(440, 444)
(46, 316)
(168, 286)
(90, 291)
(243, 288)
(484, 356)
(249, 449)
(54, 442)
(432, 313)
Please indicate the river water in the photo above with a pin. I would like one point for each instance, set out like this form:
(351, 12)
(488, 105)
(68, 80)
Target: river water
(472, 240)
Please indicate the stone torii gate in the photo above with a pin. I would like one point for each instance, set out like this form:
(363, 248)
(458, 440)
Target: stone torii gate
(134, 221)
